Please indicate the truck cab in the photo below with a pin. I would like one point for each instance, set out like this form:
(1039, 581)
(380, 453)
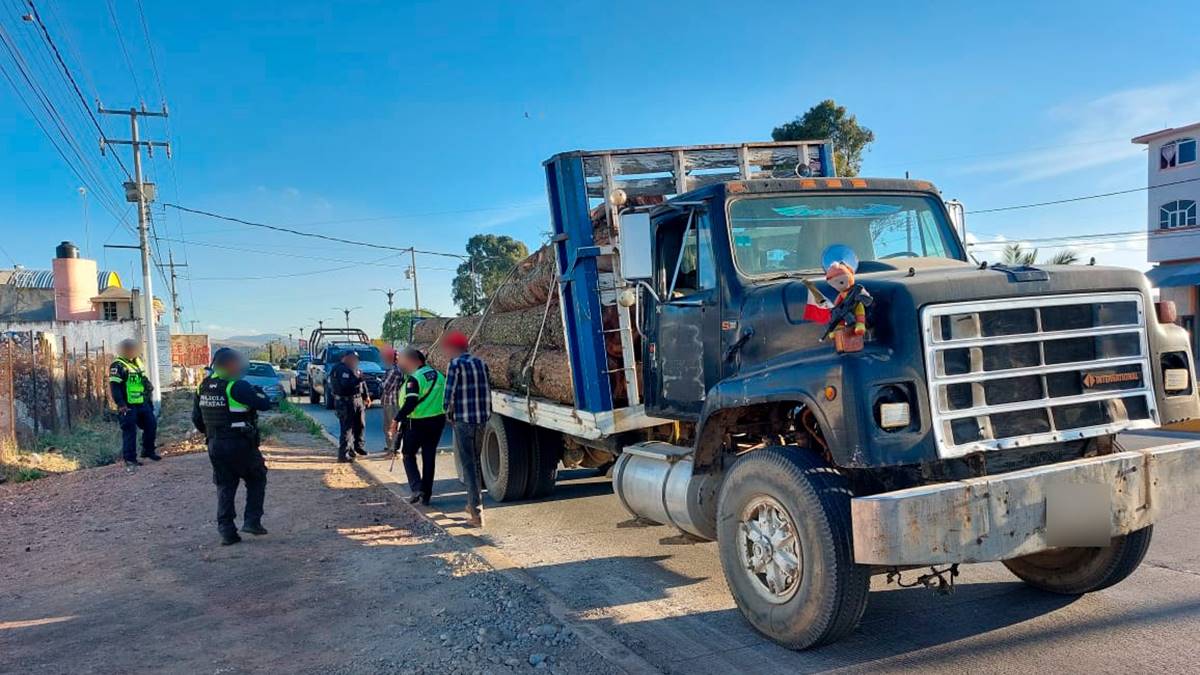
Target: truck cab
(970, 414)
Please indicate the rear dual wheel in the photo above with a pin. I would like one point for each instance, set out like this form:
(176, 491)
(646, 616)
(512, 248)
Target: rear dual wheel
(518, 461)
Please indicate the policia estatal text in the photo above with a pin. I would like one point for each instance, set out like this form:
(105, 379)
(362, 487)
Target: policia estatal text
(226, 412)
(422, 418)
(131, 389)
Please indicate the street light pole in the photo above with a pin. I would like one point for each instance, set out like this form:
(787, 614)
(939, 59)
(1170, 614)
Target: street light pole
(346, 311)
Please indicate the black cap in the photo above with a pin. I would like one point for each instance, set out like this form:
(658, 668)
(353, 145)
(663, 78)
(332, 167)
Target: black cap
(225, 355)
(414, 353)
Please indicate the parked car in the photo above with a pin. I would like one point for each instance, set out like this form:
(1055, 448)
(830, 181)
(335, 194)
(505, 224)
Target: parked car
(264, 376)
(300, 383)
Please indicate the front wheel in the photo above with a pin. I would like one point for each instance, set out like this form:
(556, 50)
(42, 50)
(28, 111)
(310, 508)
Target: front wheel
(783, 530)
(1082, 569)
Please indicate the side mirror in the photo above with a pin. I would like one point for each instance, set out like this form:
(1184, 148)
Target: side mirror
(958, 218)
(635, 247)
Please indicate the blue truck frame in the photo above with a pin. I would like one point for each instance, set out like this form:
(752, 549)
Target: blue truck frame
(570, 187)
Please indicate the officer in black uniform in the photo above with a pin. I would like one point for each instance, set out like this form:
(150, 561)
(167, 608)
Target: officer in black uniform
(350, 401)
(226, 411)
(131, 391)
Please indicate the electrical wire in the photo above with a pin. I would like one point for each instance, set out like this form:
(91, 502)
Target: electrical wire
(284, 276)
(1083, 197)
(137, 87)
(33, 12)
(314, 235)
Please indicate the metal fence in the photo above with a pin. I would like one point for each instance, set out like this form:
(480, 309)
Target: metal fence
(46, 385)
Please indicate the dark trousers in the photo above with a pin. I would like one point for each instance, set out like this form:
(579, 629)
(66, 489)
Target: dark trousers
(137, 416)
(422, 436)
(352, 418)
(235, 460)
(466, 446)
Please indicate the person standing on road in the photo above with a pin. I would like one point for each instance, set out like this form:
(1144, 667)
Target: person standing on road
(421, 419)
(350, 401)
(226, 411)
(391, 395)
(130, 387)
(468, 405)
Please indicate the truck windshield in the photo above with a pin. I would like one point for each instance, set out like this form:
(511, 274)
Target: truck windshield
(787, 233)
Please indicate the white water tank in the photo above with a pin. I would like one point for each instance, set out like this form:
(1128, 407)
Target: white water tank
(76, 282)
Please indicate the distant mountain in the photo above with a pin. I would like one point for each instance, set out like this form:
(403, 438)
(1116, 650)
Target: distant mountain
(245, 341)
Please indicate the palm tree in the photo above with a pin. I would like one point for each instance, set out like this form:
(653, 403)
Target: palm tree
(1015, 255)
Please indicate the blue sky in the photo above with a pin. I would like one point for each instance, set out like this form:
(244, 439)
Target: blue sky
(423, 123)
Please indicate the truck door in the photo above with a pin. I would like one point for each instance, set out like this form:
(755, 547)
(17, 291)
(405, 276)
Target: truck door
(683, 329)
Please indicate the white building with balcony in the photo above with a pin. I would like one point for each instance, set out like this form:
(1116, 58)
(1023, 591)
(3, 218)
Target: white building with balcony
(1173, 222)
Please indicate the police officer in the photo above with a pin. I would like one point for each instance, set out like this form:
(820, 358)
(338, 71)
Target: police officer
(350, 401)
(130, 387)
(226, 412)
(422, 417)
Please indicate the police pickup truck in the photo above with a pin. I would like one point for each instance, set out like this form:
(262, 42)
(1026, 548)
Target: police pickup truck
(329, 346)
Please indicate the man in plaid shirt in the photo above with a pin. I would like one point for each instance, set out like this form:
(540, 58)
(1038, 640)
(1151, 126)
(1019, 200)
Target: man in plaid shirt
(468, 404)
(391, 394)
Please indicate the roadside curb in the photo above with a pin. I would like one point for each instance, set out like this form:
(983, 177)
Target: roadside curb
(601, 641)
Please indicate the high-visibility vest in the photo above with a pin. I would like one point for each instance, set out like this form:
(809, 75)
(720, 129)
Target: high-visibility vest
(135, 380)
(431, 386)
(224, 416)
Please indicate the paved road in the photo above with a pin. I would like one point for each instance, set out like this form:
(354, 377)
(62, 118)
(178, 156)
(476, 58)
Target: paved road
(374, 430)
(665, 597)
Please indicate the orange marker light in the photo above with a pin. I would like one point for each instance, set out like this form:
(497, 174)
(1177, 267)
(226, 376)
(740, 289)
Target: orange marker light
(858, 182)
(830, 392)
(833, 183)
(736, 187)
(808, 183)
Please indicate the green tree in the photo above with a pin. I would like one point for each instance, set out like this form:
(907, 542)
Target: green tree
(1016, 255)
(492, 257)
(828, 120)
(397, 325)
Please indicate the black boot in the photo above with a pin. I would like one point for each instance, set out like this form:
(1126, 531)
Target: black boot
(360, 451)
(229, 538)
(416, 497)
(345, 459)
(255, 528)
(151, 455)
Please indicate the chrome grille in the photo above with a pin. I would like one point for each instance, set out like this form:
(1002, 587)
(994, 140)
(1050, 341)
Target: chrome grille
(1019, 372)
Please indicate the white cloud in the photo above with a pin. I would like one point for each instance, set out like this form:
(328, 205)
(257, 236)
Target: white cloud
(1097, 132)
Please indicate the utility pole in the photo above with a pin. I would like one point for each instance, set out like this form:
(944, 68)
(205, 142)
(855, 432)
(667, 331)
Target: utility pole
(176, 310)
(412, 274)
(192, 326)
(136, 191)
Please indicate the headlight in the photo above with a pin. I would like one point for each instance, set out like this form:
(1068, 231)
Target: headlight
(893, 408)
(1176, 375)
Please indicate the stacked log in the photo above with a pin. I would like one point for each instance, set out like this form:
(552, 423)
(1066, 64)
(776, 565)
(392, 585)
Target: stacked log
(505, 337)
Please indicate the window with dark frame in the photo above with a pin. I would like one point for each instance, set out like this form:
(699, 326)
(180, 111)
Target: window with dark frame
(1177, 153)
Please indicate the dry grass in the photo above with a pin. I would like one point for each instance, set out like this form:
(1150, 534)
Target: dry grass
(96, 441)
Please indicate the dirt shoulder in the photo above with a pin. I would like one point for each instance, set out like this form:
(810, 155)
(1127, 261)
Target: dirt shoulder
(104, 571)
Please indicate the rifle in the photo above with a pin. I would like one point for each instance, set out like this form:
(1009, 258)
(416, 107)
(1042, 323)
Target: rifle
(844, 310)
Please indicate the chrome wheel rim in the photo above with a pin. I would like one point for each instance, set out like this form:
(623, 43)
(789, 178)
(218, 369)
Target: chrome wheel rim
(769, 549)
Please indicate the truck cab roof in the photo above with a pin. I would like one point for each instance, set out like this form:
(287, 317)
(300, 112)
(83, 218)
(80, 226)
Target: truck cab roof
(789, 185)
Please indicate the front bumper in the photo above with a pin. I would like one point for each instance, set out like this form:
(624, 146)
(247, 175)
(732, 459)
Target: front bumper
(1004, 516)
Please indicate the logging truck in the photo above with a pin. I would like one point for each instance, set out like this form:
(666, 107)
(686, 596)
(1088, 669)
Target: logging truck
(970, 415)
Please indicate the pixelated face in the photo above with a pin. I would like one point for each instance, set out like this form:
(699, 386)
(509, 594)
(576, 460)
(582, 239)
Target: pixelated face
(841, 282)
